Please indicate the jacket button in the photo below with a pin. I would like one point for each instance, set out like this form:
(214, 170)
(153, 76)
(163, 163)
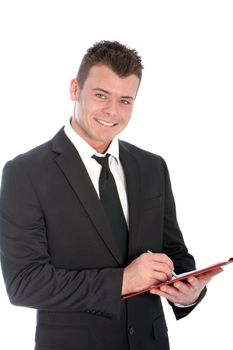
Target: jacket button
(131, 330)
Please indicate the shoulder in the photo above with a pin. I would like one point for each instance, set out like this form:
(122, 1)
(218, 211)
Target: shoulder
(139, 153)
(36, 157)
(36, 154)
(42, 151)
(149, 163)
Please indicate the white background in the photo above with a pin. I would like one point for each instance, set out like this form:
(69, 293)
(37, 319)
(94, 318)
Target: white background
(183, 112)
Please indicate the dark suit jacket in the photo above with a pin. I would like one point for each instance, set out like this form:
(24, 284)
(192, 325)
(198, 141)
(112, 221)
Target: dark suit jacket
(59, 256)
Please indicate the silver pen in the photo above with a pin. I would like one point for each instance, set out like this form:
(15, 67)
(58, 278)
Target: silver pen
(173, 273)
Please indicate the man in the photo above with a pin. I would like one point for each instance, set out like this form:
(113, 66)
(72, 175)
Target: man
(61, 250)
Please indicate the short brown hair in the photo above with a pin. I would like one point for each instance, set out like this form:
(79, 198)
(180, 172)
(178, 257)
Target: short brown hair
(118, 57)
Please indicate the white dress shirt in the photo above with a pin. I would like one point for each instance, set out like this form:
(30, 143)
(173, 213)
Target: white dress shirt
(94, 168)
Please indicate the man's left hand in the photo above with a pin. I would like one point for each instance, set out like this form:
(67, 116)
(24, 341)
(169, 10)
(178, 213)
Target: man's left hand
(186, 293)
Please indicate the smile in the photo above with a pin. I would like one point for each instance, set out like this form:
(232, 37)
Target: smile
(102, 122)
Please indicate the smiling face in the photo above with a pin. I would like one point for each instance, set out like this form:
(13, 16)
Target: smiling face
(103, 106)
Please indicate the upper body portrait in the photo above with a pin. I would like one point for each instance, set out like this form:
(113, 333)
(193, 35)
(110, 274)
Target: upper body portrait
(75, 229)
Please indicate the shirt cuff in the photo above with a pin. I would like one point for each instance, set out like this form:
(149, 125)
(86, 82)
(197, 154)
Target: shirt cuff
(181, 305)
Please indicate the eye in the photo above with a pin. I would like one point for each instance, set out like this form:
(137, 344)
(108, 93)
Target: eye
(100, 96)
(125, 102)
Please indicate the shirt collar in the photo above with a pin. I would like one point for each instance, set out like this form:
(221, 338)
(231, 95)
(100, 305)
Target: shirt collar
(84, 149)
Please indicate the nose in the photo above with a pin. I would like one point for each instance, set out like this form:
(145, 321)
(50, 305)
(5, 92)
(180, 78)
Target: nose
(111, 107)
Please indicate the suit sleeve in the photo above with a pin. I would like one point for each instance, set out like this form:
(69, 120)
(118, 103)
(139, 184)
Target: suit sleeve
(174, 245)
(31, 279)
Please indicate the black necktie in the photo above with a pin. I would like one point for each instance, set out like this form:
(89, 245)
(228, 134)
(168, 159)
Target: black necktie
(111, 202)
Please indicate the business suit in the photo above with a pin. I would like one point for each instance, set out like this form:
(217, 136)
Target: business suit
(59, 256)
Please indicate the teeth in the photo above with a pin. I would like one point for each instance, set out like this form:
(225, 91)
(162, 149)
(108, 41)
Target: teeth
(105, 123)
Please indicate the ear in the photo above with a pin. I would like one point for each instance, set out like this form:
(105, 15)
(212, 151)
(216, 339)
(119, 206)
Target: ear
(74, 90)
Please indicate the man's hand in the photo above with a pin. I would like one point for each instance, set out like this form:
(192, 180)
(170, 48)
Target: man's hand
(146, 270)
(186, 293)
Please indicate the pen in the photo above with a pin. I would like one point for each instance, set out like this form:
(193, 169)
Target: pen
(173, 273)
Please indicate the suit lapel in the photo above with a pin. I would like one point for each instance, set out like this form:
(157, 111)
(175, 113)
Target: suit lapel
(74, 170)
(133, 184)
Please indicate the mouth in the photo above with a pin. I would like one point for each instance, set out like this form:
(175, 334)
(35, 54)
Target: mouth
(104, 123)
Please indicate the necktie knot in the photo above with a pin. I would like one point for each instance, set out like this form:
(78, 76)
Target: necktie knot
(103, 161)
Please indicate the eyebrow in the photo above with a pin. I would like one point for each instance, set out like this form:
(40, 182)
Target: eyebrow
(108, 93)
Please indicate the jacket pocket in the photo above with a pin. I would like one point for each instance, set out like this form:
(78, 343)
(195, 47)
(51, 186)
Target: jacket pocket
(62, 337)
(62, 330)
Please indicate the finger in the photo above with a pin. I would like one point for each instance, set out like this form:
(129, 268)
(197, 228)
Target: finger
(171, 295)
(204, 278)
(158, 291)
(177, 289)
(182, 287)
(164, 269)
(196, 283)
(159, 277)
(162, 258)
(179, 286)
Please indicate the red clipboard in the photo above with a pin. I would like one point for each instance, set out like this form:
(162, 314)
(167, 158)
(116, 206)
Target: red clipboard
(182, 276)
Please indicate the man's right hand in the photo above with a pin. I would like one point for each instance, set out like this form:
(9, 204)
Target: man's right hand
(146, 270)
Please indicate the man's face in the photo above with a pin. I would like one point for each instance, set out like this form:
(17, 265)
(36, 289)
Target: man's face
(103, 106)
